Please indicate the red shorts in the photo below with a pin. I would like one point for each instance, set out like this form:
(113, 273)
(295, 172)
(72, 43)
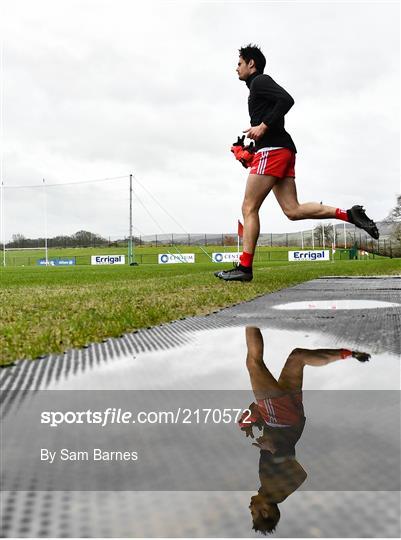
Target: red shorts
(279, 162)
(282, 411)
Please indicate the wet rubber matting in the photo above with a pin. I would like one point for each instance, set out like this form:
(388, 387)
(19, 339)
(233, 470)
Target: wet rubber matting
(197, 480)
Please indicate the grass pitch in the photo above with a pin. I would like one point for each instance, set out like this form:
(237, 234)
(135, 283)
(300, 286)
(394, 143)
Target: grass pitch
(51, 309)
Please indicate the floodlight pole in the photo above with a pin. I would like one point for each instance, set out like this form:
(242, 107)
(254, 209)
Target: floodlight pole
(131, 255)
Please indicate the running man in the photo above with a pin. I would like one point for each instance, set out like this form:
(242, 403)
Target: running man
(272, 163)
(278, 411)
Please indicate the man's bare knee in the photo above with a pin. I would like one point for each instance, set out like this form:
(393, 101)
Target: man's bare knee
(248, 209)
(254, 364)
(296, 355)
(292, 213)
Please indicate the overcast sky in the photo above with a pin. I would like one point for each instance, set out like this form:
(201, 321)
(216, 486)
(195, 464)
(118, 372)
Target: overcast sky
(95, 89)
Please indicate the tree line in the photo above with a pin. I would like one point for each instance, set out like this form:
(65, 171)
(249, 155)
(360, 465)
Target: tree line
(78, 239)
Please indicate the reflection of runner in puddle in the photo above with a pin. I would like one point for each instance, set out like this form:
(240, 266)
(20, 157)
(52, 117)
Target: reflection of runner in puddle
(279, 412)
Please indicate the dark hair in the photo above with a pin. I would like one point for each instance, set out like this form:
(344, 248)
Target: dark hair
(253, 52)
(266, 525)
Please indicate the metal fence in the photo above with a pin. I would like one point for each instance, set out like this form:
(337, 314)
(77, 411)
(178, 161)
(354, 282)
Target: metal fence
(341, 236)
(317, 237)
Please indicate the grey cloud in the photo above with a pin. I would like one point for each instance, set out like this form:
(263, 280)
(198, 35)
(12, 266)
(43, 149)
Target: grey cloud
(98, 89)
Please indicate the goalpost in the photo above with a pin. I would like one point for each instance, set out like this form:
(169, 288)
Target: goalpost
(95, 209)
(25, 255)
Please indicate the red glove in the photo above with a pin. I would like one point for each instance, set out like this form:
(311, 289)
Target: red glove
(247, 156)
(241, 155)
(247, 421)
(244, 154)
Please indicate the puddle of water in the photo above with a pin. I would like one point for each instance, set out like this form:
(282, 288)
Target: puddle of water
(337, 305)
(215, 359)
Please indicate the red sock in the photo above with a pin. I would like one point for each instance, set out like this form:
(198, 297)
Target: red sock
(345, 353)
(341, 214)
(246, 259)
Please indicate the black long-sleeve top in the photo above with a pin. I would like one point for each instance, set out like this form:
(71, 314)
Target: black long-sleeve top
(268, 103)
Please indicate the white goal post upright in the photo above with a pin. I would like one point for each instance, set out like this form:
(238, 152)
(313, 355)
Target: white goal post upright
(345, 236)
(45, 218)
